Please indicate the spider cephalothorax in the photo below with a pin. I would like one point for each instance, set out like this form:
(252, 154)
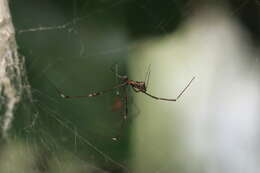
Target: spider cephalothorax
(138, 86)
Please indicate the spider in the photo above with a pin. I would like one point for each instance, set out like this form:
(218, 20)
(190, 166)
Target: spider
(137, 86)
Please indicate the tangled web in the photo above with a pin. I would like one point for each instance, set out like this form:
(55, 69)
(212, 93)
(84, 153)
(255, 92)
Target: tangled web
(72, 46)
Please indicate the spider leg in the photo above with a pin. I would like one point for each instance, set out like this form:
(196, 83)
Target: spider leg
(147, 77)
(91, 94)
(124, 116)
(159, 98)
(166, 99)
(136, 90)
(115, 71)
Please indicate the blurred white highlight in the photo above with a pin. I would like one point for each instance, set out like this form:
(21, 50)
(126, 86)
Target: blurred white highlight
(214, 127)
(10, 69)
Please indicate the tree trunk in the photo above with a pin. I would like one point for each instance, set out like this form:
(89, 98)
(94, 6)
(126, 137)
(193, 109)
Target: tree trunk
(10, 70)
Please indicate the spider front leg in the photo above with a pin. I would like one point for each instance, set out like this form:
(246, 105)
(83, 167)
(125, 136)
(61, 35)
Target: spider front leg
(166, 99)
(91, 94)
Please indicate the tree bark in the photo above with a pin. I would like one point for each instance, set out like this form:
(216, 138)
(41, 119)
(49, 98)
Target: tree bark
(10, 70)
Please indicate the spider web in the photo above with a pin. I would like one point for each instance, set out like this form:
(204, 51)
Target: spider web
(72, 46)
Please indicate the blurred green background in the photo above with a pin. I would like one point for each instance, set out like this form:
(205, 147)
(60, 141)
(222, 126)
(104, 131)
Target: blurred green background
(72, 45)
